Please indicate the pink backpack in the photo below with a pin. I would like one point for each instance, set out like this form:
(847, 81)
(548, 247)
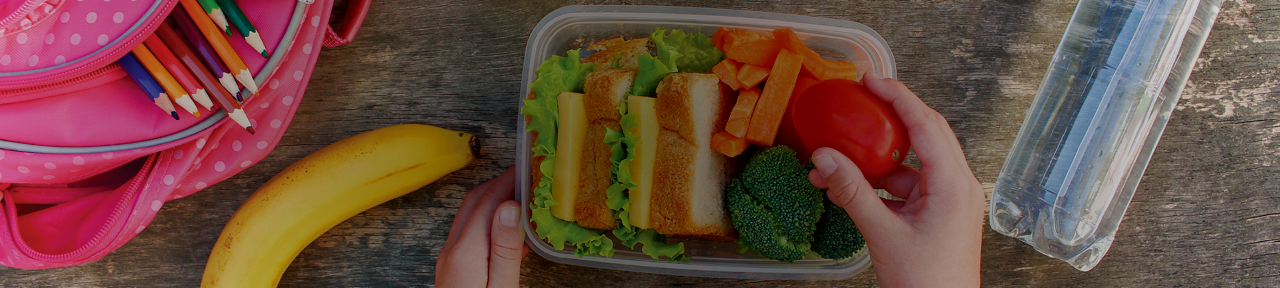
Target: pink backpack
(86, 160)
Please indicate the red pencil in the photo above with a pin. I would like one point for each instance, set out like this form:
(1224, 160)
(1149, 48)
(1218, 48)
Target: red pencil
(178, 71)
(188, 58)
(205, 50)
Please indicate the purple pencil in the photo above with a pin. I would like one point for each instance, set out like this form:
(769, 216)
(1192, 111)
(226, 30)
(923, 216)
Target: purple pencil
(205, 50)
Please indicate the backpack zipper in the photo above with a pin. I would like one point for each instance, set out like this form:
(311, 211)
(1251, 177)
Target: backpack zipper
(129, 200)
(15, 93)
(135, 39)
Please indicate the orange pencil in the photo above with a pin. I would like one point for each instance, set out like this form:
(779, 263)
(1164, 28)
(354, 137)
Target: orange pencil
(219, 93)
(179, 72)
(165, 79)
(220, 44)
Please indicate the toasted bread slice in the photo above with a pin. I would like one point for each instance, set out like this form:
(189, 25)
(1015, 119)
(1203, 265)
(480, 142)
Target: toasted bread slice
(605, 90)
(689, 177)
(695, 105)
(612, 47)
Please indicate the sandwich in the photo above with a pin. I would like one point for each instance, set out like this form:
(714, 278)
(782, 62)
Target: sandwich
(623, 161)
(688, 177)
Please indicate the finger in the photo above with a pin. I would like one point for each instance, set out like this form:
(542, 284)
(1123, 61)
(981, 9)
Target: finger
(894, 205)
(464, 213)
(506, 250)
(475, 236)
(901, 182)
(468, 205)
(815, 178)
(848, 189)
(930, 134)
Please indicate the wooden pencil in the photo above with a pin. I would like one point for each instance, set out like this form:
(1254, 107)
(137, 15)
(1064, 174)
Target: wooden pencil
(219, 94)
(148, 84)
(237, 19)
(178, 71)
(214, 11)
(165, 79)
(205, 51)
(220, 45)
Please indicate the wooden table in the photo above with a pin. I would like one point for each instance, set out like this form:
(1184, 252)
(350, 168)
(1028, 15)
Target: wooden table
(1207, 212)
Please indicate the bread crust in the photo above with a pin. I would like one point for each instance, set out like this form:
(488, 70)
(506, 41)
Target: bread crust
(612, 47)
(590, 208)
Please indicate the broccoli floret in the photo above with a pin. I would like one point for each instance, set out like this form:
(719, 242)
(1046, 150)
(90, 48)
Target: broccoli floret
(837, 237)
(773, 206)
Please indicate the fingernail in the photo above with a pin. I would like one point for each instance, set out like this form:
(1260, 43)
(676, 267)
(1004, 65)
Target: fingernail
(508, 216)
(872, 75)
(825, 164)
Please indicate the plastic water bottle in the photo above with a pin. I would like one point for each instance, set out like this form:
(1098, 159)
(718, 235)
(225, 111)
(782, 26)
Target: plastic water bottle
(1090, 131)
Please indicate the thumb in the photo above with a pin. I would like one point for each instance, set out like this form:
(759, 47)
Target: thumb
(848, 189)
(507, 246)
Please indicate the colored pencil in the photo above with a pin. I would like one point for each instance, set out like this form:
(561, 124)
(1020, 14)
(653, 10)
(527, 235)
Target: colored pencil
(148, 84)
(206, 52)
(220, 45)
(215, 13)
(178, 71)
(242, 24)
(165, 79)
(189, 59)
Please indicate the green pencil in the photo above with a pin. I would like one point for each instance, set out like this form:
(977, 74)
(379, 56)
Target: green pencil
(238, 19)
(215, 12)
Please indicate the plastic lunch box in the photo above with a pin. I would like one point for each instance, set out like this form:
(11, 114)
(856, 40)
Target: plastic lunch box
(577, 26)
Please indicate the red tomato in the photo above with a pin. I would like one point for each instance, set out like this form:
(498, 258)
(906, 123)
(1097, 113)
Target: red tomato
(786, 130)
(842, 114)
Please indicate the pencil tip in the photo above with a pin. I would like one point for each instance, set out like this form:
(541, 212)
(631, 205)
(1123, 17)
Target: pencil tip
(264, 54)
(250, 128)
(174, 114)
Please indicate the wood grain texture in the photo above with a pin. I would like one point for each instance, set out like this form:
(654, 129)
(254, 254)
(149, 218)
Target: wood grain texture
(1206, 214)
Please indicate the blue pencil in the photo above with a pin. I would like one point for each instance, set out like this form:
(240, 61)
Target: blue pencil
(148, 84)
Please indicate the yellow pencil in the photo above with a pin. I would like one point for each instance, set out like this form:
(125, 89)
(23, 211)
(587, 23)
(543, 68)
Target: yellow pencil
(165, 79)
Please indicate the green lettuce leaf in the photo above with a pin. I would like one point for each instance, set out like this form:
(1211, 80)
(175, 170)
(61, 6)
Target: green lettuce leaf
(623, 146)
(650, 73)
(678, 52)
(697, 55)
(555, 75)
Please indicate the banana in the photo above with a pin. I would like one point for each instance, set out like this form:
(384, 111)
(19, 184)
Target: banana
(325, 188)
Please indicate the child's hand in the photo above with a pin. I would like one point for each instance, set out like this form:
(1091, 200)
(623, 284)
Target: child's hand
(934, 239)
(486, 242)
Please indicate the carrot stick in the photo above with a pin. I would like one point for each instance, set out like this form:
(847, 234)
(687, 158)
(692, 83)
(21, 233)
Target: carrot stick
(740, 117)
(773, 101)
(750, 48)
(727, 70)
(787, 134)
(814, 64)
(728, 145)
(717, 38)
(751, 75)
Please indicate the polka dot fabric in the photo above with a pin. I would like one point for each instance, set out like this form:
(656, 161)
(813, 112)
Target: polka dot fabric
(84, 224)
(56, 38)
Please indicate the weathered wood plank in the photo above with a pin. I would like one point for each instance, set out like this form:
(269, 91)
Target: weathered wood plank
(1207, 212)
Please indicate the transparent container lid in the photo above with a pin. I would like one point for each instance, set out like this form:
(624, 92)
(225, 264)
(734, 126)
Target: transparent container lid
(577, 26)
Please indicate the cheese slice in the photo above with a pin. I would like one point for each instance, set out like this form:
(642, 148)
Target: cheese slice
(642, 165)
(570, 138)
